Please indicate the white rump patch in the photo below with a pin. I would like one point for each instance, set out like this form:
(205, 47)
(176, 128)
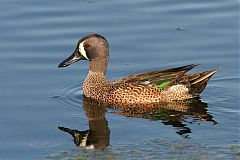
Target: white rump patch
(178, 88)
(82, 50)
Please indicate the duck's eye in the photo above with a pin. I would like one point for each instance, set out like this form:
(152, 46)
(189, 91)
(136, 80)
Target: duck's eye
(86, 45)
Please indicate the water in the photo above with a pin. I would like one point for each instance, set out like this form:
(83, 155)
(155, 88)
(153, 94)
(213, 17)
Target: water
(37, 97)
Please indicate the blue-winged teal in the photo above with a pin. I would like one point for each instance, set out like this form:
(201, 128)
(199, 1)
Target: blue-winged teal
(149, 87)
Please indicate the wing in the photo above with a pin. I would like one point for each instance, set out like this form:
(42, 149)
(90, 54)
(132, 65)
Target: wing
(159, 78)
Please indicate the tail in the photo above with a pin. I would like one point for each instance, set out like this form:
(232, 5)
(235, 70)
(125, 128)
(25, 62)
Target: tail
(198, 81)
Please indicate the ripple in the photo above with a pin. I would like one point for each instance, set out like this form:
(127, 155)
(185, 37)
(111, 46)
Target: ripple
(69, 94)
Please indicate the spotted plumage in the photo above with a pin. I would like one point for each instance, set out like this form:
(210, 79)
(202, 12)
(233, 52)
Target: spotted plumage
(149, 87)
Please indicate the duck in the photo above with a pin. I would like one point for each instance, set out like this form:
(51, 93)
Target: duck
(167, 85)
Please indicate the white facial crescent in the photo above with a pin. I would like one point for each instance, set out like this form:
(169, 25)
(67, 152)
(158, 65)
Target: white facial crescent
(82, 50)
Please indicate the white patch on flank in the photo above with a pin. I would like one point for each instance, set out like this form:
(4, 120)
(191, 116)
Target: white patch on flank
(178, 88)
(82, 50)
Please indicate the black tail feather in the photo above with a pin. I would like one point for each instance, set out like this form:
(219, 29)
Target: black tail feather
(198, 81)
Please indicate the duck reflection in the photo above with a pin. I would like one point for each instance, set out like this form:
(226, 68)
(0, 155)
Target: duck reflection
(98, 135)
(173, 113)
(169, 113)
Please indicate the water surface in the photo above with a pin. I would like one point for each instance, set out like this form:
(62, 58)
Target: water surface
(36, 97)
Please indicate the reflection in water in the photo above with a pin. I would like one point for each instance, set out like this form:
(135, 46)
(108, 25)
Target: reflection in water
(98, 135)
(170, 113)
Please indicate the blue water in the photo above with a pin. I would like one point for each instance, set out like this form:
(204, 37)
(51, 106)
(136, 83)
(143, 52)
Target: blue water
(37, 97)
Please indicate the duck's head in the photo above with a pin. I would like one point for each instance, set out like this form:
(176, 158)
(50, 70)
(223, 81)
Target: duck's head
(93, 48)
